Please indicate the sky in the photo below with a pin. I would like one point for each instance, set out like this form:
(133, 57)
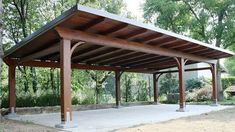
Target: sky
(134, 6)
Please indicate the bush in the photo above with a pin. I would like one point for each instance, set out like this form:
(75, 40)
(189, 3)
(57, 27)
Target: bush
(31, 100)
(199, 95)
(204, 94)
(172, 98)
(195, 83)
(168, 84)
(227, 82)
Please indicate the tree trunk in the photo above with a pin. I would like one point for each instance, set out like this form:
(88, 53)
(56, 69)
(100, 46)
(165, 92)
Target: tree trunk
(52, 80)
(220, 29)
(34, 79)
(220, 94)
(149, 89)
(1, 51)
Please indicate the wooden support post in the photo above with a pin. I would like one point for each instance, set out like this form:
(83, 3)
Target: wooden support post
(214, 83)
(65, 72)
(12, 89)
(118, 88)
(155, 87)
(181, 63)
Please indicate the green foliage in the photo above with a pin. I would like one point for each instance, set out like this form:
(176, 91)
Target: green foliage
(167, 14)
(172, 98)
(195, 83)
(230, 65)
(142, 91)
(127, 92)
(227, 82)
(168, 84)
(205, 20)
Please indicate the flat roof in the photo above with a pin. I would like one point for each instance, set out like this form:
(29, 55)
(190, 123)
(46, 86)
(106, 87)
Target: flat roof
(99, 22)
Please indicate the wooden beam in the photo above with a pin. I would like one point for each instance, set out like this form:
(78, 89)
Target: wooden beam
(169, 42)
(197, 51)
(173, 44)
(53, 49)
(154, 37)
(194, 49)
(152, 62)
(162, 41)
(186, 70)
(116, 58)
(139, 59)
(190, 48)
(88, 54)
(133, 34)
(142, 60)
(91, 24)
(207, 52)
(84, 49)
(50, 64)
(137, 36)
(212, 55)
(179, 46)
(124, 44)
(96, 56)
(113, 29)
(127, 59)
(104, 56)
(113, 56)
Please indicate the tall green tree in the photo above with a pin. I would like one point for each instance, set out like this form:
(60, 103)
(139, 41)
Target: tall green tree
(168, 84)
(99, 77)
(211, 21)
(1, 52)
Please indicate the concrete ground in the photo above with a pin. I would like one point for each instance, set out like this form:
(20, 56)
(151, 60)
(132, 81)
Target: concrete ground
(111, 119)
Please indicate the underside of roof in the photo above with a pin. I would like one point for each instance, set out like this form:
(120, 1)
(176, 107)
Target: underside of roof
(44, 44)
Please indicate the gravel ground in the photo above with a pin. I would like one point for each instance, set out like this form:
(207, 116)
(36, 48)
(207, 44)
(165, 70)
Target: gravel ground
(17, 126)
(220, 121)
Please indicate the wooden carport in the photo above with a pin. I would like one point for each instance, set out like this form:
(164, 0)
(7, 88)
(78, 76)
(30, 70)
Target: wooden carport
(86, 38)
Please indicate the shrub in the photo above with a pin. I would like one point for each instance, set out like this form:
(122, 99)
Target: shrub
(168, 84)
(172, 98)
(227, 82)
(163, 98)
(195, 83)
(204, 94)
(199, 95)
(191, 96)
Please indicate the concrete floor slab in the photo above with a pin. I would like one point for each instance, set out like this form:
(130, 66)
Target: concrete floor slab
(110, 119)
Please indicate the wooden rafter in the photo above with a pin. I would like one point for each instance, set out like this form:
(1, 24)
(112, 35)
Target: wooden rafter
(124, 44)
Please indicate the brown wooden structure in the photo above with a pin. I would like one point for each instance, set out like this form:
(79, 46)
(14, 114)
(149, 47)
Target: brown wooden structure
(86, 38)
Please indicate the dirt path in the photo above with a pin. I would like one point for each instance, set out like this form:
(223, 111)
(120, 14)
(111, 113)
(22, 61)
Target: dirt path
(17, 126)
(220, 121)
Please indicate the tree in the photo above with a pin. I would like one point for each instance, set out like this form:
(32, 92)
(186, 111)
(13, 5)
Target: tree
(1, 50)
(168, 84)
(99, 77)
(211, 21)
(230, 63)
(127, 92)
(142, 93)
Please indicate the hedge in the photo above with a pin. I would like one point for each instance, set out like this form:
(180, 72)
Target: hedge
(227, 82)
